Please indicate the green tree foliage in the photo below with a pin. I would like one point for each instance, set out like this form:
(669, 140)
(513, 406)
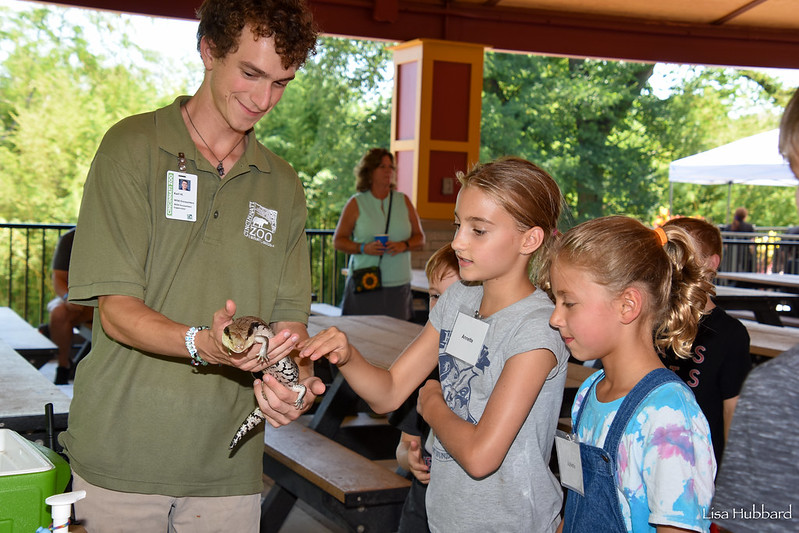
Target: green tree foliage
(329, 116)
(577, 119)
(597, 127)
(59, 98)
(709, 108)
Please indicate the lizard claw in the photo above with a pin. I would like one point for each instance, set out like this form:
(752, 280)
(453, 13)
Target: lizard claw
(301, 394)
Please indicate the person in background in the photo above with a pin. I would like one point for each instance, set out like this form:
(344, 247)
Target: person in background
(412, 455)
(64, 315)
(365, 216)
(739, 222)
(502, 367)
(720, 357)
(756, 486)
(640, 458)
(743, 255)
(159, 398)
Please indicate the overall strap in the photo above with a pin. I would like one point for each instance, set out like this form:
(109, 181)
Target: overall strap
(631, 403)
(585, 400)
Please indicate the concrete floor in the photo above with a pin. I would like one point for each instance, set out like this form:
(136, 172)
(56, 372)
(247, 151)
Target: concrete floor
(304, 519)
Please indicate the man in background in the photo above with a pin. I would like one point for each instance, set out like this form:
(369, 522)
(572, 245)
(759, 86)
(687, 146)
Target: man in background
(64, 315)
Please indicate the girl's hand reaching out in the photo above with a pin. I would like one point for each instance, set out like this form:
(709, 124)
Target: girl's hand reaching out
(331, 343)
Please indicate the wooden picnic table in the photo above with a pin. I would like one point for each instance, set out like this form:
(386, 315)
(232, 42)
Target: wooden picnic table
(345, 485)
(786, 281)
(340, 483)
(763, 303)
(24, 392)
(24, 338)
(381, 339)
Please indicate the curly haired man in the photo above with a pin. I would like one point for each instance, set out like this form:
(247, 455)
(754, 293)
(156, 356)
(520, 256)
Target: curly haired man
(186, 221)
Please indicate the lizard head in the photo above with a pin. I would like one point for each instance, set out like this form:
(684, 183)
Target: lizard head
(243, 332)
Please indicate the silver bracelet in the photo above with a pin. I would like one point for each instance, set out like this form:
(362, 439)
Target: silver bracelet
(196, 360)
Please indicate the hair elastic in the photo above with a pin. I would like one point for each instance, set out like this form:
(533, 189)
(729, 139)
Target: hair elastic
(661, 233)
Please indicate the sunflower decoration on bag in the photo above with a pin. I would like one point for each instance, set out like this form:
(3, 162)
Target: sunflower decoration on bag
(370, 281)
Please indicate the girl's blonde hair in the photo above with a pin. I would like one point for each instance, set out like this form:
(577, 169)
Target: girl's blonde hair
(620, 252)
(523, 189)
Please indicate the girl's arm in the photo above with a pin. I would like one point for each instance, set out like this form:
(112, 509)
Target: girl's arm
(481, 448)
(384, 390)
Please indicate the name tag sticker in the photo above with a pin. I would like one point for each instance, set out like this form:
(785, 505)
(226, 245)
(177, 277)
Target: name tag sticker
(466, 341)
(181, 196)
(569, 462)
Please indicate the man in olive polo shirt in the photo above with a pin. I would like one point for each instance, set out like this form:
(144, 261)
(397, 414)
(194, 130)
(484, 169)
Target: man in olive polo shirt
(187, 221)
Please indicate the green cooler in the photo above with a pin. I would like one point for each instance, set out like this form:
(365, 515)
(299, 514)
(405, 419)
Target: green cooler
(29, 473)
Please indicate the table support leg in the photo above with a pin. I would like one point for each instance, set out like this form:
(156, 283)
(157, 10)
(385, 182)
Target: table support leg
(339, 401)
(275, 508)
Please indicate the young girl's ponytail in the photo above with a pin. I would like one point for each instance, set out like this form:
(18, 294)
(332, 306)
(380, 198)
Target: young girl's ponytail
(689, 290)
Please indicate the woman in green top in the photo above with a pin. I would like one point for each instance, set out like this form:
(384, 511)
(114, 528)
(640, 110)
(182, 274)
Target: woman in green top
(365, 216)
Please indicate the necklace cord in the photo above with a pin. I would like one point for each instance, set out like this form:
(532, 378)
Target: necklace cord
(220, 168)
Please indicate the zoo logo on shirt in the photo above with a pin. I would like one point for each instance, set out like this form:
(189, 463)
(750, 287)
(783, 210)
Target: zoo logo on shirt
(261, 224)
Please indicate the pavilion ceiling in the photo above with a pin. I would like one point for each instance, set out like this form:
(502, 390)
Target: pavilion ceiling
(762, 33)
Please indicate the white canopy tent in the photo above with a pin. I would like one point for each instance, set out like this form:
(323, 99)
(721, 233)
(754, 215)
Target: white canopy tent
(752, 160)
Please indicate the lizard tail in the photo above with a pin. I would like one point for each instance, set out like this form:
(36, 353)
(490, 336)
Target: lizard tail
(252, 420)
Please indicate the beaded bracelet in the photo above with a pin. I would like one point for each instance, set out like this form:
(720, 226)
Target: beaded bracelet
(362, 246)
(196, 360)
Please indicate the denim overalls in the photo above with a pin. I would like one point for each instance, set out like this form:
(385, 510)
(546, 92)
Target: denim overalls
(599, 510)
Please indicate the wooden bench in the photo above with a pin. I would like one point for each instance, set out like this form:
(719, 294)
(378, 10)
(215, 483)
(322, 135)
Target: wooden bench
(351, 490)
(770, 341)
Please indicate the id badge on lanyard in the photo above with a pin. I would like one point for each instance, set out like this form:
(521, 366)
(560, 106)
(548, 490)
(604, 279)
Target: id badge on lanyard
(466, 340)
(569, 461)
(181, 196)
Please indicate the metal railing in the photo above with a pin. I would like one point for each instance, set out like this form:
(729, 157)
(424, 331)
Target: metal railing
(26, 253)
(761, 252)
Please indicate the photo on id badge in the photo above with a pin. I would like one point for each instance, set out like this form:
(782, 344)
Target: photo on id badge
(181, 196)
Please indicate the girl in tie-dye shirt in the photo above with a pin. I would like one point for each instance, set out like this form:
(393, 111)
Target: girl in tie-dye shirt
(622, 293)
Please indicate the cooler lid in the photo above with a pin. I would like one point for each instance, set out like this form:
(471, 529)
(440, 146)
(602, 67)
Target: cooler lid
(20, 456)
